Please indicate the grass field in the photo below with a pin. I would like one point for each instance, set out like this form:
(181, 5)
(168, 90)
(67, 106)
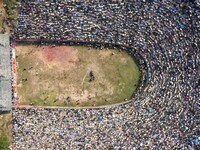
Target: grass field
(59, 76)
(5, 130)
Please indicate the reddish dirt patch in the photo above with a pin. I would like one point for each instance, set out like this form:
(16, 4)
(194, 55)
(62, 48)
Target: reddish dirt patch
(61, 54)
(50, 57)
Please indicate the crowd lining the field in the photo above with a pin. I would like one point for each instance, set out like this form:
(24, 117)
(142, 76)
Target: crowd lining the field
(166, 115)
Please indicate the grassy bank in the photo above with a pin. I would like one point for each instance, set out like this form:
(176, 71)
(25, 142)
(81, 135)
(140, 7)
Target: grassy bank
(5, 130)
(8, 15)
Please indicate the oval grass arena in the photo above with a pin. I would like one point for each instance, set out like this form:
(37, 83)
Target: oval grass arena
(74, 76)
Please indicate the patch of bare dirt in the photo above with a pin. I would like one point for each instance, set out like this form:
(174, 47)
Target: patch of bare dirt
(60, 56)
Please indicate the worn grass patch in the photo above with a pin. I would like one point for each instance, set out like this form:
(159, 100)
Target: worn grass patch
(3, 141)
(5, 130)
(59, 76)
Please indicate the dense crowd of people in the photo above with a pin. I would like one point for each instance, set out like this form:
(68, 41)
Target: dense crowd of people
(166, 115)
